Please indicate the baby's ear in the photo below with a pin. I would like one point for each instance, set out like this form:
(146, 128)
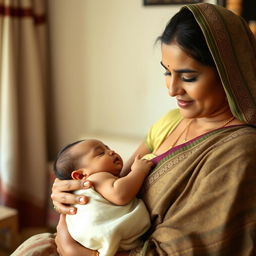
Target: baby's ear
(78, 174)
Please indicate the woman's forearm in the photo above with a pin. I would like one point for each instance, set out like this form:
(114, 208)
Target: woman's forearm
(66, 245)
(82, 251)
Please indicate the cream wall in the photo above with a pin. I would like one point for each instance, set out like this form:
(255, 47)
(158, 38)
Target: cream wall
(105, 72)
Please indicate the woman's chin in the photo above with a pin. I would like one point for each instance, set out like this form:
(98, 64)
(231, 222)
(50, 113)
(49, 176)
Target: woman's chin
(186, 113)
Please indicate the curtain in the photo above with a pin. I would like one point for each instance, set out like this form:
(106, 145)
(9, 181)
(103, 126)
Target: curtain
(23, 77)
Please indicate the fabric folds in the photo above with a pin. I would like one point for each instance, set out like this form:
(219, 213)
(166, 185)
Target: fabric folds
(233, 48)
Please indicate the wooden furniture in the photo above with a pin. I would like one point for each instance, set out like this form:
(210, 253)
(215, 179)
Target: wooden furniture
(8, 229)
(245, 8)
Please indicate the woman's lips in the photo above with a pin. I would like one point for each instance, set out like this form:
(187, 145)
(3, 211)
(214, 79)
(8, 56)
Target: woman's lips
(184, 103)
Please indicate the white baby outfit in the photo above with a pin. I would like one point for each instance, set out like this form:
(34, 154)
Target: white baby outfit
(105, 227)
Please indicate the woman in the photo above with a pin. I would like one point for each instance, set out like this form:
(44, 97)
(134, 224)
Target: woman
(201, 195)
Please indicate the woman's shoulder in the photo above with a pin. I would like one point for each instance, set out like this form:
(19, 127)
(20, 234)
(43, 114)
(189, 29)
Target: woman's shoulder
(167, 122)
(247, 133)
(235, 149)
(245, 130)
(173, 113)
(239, 137)
(171, 116)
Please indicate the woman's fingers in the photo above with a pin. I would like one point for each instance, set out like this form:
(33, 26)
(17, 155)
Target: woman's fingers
(70, 185)
(68, 198)
(62, 202)
(64, 209)
(62, 197)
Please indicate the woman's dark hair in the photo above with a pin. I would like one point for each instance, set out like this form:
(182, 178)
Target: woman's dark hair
(184, 29)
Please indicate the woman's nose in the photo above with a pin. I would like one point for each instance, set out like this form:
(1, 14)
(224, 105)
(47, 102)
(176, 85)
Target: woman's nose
(174, 87)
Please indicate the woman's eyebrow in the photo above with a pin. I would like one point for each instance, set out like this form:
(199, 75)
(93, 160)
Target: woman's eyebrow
(185, 70)
(162, 64)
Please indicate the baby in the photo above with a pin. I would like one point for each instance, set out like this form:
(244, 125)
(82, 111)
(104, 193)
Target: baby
(114, 219)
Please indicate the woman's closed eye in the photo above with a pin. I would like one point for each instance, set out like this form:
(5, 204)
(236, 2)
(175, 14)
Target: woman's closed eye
(167, 73)
(184, 79)
(189, 80)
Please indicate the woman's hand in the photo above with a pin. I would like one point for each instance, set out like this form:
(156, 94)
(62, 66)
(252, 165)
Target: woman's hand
(62, 197)
(66, 245)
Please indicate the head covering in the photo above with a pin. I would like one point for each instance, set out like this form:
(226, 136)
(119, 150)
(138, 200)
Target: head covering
(233, 48)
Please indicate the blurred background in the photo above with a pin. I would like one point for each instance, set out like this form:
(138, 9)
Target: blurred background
(72, 70)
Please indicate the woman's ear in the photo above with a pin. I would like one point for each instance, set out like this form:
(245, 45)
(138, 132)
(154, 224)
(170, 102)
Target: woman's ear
(78, 174)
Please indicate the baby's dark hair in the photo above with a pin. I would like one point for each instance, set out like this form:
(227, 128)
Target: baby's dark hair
(66, 162)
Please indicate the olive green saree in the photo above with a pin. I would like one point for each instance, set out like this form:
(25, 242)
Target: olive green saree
(202, 196)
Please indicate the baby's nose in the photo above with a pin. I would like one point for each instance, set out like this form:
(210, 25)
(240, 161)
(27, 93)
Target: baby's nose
(111, 152)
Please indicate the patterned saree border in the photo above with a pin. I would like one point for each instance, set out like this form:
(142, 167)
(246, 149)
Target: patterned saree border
(181, 152)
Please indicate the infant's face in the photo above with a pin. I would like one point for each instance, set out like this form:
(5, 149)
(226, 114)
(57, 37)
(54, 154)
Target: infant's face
(98, 157)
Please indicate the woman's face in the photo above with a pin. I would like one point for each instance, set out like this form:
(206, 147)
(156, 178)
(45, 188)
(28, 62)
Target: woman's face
(197, 87)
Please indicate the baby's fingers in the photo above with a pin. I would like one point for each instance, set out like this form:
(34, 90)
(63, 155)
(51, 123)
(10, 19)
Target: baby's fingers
(148, 162)
(138, 157)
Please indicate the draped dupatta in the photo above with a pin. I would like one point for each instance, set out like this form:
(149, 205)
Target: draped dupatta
(233, 48)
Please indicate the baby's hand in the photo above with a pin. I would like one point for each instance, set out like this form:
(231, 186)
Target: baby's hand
(141, 164)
